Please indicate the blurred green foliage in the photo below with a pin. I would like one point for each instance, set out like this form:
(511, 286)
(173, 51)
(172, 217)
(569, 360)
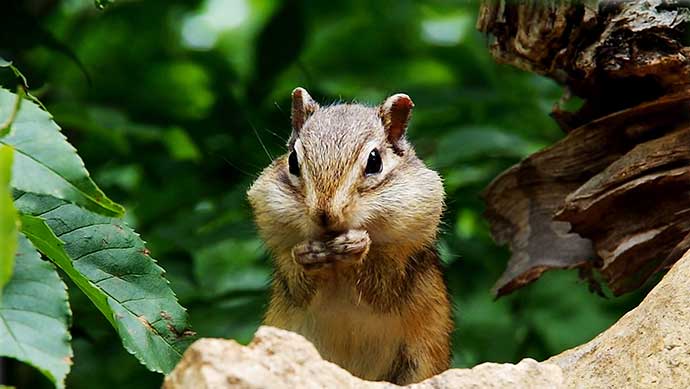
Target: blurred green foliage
(181, 97)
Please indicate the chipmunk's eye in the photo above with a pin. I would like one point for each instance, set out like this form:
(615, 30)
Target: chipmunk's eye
(374, 163)
(293, 164)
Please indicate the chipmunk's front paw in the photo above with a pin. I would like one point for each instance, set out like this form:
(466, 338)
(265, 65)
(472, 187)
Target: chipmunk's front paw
(348, 247)
(311, 254)
(352, 245)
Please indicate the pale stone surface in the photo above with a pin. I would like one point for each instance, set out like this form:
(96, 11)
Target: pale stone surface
(282, 359)
(275, 358)
(527, 374)
(648, 348)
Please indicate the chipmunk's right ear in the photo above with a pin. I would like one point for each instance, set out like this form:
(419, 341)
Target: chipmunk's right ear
(395, 113)
(303, 106)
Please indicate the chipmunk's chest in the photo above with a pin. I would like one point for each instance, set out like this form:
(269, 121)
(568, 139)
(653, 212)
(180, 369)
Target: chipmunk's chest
(349, 332)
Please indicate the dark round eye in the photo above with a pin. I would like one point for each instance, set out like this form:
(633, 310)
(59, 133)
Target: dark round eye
(293, 164)
(374, 164)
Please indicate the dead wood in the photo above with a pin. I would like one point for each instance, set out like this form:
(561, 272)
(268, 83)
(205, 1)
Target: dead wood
(613, 195)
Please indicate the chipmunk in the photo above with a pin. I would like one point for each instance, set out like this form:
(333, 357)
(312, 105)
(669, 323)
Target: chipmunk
(350, 215)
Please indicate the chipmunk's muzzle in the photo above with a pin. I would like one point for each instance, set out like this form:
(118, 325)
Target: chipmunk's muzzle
(329, 209)
(328, 223)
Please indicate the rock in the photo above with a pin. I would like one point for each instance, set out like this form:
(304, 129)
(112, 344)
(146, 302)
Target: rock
(527, 374)
(281, 359)
(274, 359)
(648, 347)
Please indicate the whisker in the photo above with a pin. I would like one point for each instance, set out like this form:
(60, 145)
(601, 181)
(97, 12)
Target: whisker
(253, 176)
(284, 140)
(277, 106)
(261, 142)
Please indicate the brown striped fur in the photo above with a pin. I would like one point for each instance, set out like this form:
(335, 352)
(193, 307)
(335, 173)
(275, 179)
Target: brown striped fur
(379, 307)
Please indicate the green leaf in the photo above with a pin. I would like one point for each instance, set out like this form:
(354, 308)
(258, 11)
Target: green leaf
(45, 163)
(8, 218)
(110, 263)
(34, 316)
(52, 247)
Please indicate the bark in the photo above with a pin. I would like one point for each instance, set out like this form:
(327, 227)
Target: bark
(613, 194)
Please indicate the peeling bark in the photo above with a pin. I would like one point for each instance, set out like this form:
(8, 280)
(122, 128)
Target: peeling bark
(613, 195)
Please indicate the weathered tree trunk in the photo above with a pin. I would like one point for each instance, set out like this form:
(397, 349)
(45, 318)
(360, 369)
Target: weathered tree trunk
(614, 194)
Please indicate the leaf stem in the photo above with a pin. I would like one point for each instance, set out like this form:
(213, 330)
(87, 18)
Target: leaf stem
(5, 127)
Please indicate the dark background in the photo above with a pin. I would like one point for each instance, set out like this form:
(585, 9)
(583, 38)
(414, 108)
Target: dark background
(176, 106)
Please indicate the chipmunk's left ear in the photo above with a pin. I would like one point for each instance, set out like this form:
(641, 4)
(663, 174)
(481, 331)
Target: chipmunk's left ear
(303, 106)
(395, 113)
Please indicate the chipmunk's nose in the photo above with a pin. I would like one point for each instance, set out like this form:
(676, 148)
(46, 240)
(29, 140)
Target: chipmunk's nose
(325, 219)
(328, 220)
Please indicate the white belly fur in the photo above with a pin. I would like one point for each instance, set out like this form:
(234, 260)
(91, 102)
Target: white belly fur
(348, 332)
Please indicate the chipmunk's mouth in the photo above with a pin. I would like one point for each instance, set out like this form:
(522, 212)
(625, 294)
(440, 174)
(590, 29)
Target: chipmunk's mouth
(325, 234)
(328, 234)
(323, 226)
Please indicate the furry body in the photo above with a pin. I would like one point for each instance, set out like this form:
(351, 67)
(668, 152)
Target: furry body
(355, 269)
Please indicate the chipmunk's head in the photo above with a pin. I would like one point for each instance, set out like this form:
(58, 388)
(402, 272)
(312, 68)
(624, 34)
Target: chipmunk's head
(348, 166)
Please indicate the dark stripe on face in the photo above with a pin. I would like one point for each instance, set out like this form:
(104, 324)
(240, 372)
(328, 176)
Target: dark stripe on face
(283, 178)
(392, 175)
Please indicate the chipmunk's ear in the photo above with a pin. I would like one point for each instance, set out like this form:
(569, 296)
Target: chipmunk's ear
(395, 113)
(303, 106)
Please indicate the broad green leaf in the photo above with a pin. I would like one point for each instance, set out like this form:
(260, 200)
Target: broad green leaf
(34, 316)
(52, 247)
(108, 261)
(45, 163)
(8, 218)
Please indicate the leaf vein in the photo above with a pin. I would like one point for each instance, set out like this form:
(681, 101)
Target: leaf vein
(137, 316)
(4, 309)
(100, 250)
(83, 227)
(14, 337)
